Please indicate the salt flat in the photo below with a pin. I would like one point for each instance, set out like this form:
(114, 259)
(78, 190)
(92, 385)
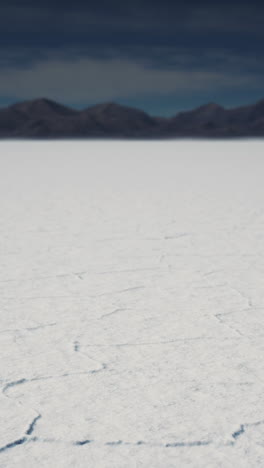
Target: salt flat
(132, 299)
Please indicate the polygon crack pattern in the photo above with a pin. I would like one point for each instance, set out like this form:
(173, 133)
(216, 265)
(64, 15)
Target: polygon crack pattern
(81, 443)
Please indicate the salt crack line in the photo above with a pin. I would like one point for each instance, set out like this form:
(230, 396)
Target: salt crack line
(24, 439)
(73, 296)
(13, 384)
(157, 343)
(51, 377)
(118, 443)
(28, 329)
(219, 316)
(32, 425)
(119, 291)
(242, 429)
(230, 326)
(13, 444)
(112, 313)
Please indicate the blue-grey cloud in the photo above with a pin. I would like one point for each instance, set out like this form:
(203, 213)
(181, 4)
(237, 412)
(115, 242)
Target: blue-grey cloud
(105, 49)
(172, 18)
(82, 79)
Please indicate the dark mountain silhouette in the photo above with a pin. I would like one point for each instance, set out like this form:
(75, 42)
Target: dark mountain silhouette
(115, 119)
(43, 118)
(202, 117)
(19, 118)
(213, 120)
(41, 108)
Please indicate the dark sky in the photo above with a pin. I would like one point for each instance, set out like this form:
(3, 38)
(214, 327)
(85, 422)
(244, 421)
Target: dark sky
(161, 56)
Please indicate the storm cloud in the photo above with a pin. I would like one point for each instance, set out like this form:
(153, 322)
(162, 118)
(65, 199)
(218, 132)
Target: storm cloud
(85, 52)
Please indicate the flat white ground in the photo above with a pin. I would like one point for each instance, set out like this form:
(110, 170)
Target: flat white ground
(131, 304)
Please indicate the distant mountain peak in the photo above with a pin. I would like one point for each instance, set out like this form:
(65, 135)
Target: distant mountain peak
(43, 100)
(108, 105)
(42, 106)
(105, 107)
(210, 106)
(111, 106)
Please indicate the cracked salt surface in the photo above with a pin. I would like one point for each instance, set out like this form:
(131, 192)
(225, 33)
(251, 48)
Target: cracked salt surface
(131, 299)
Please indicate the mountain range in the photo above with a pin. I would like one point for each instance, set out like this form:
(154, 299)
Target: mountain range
(43, 118)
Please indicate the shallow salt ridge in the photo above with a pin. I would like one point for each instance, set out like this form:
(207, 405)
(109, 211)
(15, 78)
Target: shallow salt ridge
(131, 303)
